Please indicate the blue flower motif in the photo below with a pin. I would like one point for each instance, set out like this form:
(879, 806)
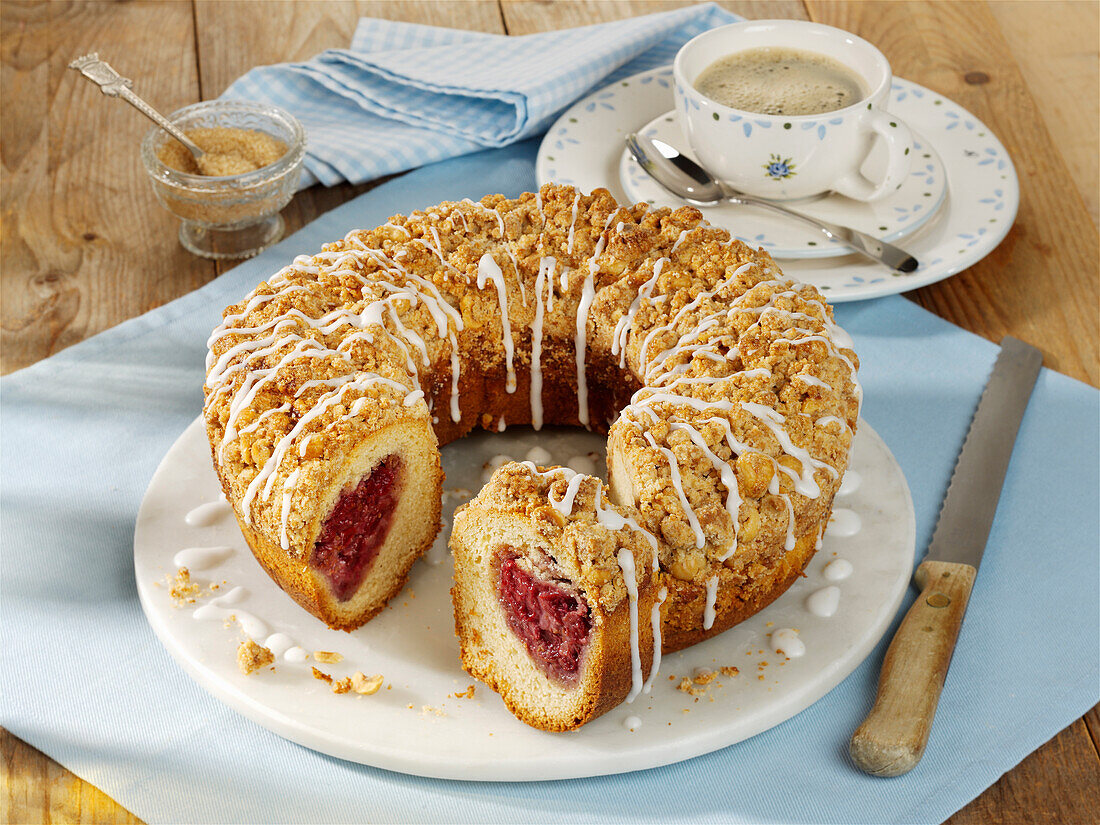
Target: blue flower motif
(778, 168)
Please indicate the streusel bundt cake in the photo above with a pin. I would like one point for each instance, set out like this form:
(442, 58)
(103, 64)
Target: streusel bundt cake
(557, 595)
(729, 394)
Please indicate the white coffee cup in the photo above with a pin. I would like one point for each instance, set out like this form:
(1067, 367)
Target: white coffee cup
(861, 151)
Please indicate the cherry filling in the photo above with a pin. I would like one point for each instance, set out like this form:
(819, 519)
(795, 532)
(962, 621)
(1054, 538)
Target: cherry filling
(356, 528)
(552, 623)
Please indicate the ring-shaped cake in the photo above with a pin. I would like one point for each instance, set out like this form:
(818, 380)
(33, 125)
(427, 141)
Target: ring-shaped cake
(729, 394)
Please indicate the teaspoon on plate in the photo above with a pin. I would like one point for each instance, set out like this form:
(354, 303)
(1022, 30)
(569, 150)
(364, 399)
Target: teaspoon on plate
(686, 179)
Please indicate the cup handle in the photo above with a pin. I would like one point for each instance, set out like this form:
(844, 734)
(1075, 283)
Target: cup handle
(899, 145)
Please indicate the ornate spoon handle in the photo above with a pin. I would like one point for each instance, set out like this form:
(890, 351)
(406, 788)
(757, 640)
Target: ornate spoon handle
(114, 85)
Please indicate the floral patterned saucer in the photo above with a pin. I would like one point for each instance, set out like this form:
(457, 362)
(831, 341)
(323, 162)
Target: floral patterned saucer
(891, 219)
(584, 148)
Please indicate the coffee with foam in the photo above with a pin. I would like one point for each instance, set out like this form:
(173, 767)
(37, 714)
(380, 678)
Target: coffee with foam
(781, 81)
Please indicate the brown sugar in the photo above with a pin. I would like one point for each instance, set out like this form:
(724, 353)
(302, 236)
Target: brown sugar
(228, 152)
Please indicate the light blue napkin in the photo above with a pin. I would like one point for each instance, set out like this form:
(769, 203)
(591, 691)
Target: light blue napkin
(405, 94)
(85, 680)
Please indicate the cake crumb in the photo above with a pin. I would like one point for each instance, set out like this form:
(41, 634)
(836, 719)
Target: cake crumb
(251, 657)
(327, 656)
(182, 590)
(704, 676)
(426, 709)
(342, 685)
(728, 670)
(466, 694)
(320, 674)
(686, 686)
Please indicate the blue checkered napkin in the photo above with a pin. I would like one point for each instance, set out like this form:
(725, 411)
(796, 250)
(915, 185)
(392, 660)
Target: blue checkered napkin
(405, 95)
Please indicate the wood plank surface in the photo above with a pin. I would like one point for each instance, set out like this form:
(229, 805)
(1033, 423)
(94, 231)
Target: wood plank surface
(1058, 63)
(1041, 283)
(85, 243)
(73, 189)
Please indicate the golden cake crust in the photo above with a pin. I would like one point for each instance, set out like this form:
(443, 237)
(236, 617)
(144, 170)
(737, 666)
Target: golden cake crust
(726, 374)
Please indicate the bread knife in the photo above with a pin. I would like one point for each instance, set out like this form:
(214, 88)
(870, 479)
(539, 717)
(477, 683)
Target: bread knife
(892, 738)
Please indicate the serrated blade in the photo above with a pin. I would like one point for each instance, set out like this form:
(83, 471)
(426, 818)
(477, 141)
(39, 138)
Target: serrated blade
(971, 501)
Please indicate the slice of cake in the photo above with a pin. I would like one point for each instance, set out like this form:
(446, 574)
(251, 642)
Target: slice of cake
(556, 595)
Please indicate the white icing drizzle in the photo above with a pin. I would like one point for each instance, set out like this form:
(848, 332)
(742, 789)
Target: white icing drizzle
(546, 266)
(824, 602)
(588, 294)
(206, 514)
(702, 296)
(487, 269)
(680, 240)
(221, 608)
(785, 642)
(267, 472)
(296, 654)
(712, 596)
(837, 570)
(789, 542)
(674, 472)
(733, 494)
(655, 622)
(632, 723)
(608, 518)
(805, 482)
(850, 483)
(278, 644)
(200, 558)
(626, 564)
(539, 455)
(304, 446)
(845, 522)
(622, 326)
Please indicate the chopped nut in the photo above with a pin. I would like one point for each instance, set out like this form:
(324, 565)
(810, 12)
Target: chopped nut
(251, 657)
(367, 685)
(327, 656)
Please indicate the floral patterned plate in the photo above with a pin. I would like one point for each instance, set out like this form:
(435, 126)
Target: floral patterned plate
(584, 148)
(892, 218)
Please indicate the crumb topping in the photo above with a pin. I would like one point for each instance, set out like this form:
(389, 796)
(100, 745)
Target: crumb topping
(735, 443)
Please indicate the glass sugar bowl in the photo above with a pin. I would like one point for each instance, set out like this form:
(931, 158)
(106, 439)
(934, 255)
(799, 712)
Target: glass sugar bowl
(234, 215)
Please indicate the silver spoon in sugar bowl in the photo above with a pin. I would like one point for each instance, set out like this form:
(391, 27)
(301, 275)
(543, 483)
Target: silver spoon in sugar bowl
(688, 180)
(114, 85)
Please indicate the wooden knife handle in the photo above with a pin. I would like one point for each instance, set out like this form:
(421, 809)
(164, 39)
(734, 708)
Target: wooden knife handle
(891, 739)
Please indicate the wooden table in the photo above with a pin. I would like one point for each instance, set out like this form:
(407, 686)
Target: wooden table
(85, 245)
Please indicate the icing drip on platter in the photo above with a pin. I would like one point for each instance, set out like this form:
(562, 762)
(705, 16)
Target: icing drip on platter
(824, 602)
(202, 558)
(785, 642)
(207, 514)
(837, 570)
